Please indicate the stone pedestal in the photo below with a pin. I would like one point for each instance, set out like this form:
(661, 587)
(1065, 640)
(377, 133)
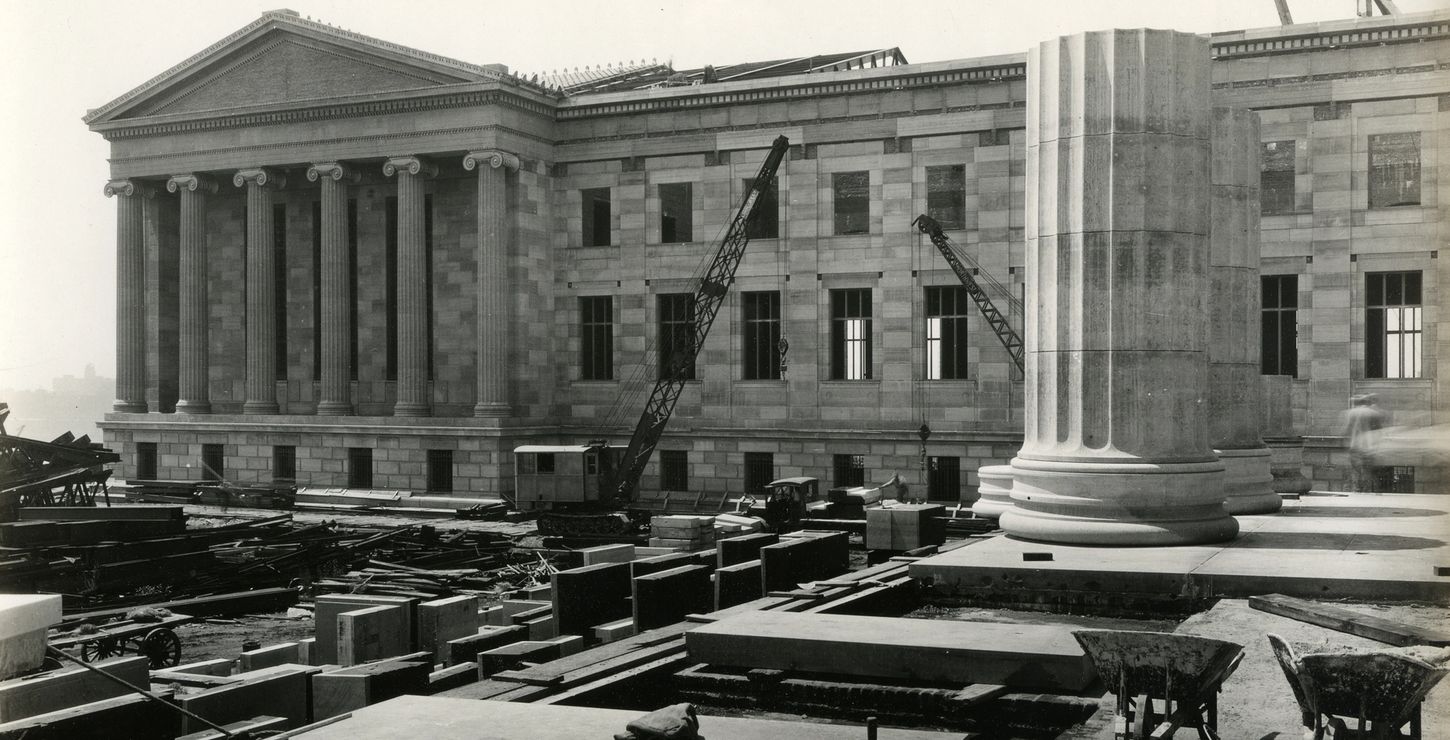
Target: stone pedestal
(994, 491)
(1116, 448)
(1276, 424)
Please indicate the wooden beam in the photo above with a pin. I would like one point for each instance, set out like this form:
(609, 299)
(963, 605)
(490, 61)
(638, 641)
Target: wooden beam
(1347, 620)
(1284, 17)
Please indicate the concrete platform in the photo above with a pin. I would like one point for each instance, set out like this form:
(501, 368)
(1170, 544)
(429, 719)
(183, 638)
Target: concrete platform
(467, 719)
(1365, 547)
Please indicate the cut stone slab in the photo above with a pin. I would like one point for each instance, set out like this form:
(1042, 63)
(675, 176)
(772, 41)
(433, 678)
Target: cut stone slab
(606, 633)
(271, 655)
(371, 634)
(337, 692)
(328, 606)
(441, 620)
(279, 693)
(1026, 656)
(606, 554)
(589, 596)
(466, 649)
(905, 527)
(737, 584)
(68, 686)
(742, 549)
(24, 618)
(667, 596)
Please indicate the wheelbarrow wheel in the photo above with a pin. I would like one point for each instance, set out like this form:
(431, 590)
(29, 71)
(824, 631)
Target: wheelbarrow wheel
(99, 650)
(163, 647)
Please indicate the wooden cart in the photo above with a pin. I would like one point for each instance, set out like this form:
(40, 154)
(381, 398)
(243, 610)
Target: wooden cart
(154, 639)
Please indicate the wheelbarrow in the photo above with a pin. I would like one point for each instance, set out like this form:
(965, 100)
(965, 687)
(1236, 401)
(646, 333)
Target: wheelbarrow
(1163, 681)
(1381, 692)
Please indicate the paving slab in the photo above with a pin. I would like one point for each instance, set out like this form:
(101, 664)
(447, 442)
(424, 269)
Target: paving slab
(1371, 547)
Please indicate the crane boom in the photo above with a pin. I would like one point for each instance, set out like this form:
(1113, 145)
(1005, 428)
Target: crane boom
(709, 294)
(1004, 331)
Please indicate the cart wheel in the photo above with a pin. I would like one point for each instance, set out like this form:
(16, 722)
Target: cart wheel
(162, 646)
(100, 650)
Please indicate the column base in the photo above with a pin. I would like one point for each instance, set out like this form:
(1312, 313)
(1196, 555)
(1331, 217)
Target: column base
(491, 410)
(334, 408)
(994, 491)
(412, 409)
(259, 407)
(129, 407)
(1086, 502)
(193, 407)
(1248, 485)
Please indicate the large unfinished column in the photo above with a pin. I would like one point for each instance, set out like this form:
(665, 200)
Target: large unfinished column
(193, 393)
(493, 290)
(130, 294)
(413, 398)
(261, 290)
(1234, 389)
(1116, 448)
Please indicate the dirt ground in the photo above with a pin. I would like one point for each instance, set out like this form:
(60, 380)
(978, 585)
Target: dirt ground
(223, 638)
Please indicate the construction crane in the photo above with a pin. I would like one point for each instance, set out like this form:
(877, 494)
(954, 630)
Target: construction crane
(957, 258)
(596, 487)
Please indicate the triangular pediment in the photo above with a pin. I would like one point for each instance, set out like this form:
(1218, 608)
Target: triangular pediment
(283, 60)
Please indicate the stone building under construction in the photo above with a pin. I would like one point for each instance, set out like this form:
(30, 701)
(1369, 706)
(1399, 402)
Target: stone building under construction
(351, 263)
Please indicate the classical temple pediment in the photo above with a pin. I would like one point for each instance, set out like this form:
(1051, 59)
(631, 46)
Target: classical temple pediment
(282, 61)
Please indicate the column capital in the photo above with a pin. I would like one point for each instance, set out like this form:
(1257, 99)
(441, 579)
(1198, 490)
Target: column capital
(413, 165)
(493, 157)
(191, 183)
(128, 188)
(262, 176)
(338, 171)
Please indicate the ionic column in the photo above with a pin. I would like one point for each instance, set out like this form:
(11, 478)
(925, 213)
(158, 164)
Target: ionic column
(492, 266)
(130, 294)
(261, 291)
(1115, 447)
(1235, 391)
(413, 399)
(193, 393)
(337, 298)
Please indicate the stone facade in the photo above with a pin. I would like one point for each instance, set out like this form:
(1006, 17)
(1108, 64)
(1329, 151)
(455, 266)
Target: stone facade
(363, 102)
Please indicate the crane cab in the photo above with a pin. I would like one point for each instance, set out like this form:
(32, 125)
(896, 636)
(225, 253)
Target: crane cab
(560, 476)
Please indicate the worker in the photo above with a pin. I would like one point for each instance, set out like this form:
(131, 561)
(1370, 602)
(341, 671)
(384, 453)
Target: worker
(1361, 423)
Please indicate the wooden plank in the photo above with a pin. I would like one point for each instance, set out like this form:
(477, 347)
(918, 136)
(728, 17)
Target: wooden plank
(666, 662)
(66, 687)
(978, 693)
(1348, 620)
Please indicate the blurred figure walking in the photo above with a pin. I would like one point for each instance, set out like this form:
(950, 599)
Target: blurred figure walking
(1361, 424)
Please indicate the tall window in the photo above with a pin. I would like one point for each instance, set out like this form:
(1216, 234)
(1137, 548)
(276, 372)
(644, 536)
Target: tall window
(759, 471)
(213, 462)
(1279, 354)
(316, 290)
(1392, 328)
(359, 467)
(852, 198)
(596, 216)
(944, 479)
(1394, 169)
(279, 291)
(765, 219)
(390, 275)
(946, 195)
(1276, 177)
(674, 470)
(440, 471)
(596, 337)
(849, 470)
(676, 213)
(146, 460)
(284, 463)
(947, 309)
(677, 333)
(851, 334)
(762, 335)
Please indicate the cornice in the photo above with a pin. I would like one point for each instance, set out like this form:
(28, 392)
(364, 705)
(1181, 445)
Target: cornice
(1317, 38)
(1332, 76)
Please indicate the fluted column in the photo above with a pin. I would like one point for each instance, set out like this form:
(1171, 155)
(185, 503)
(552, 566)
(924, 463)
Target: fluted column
(413, 399)
(1234, 389)
(261, 291)
(1115, 446)
(193, 392)
(130, 294)
(494, 221)
(337, 298)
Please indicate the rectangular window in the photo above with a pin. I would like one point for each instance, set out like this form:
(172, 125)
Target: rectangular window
(440, 471)
(852, 198)
(352, 310)
(284, 463)
(359, 467)
(596, 337)
(759, 471)
(279, 289)
(946, 195)
(1394, 169)
(1279, 353)
(1396, 479)
(849, 470)
(764, 221)
(213, 462)
(146, 460)
(762, 335)
(596, 217)
(316, 290)
(676, 213)
(1392, 329)
(1276, 177)
(851, 334)
(674, 470)
(390, 276)
(944, 479)
(677, 334)
(947, 309)
(544, 462)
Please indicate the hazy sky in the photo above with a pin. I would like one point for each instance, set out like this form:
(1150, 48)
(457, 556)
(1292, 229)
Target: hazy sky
(59, 59)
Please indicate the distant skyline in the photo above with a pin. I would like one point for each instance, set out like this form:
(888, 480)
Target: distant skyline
(57, 60)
